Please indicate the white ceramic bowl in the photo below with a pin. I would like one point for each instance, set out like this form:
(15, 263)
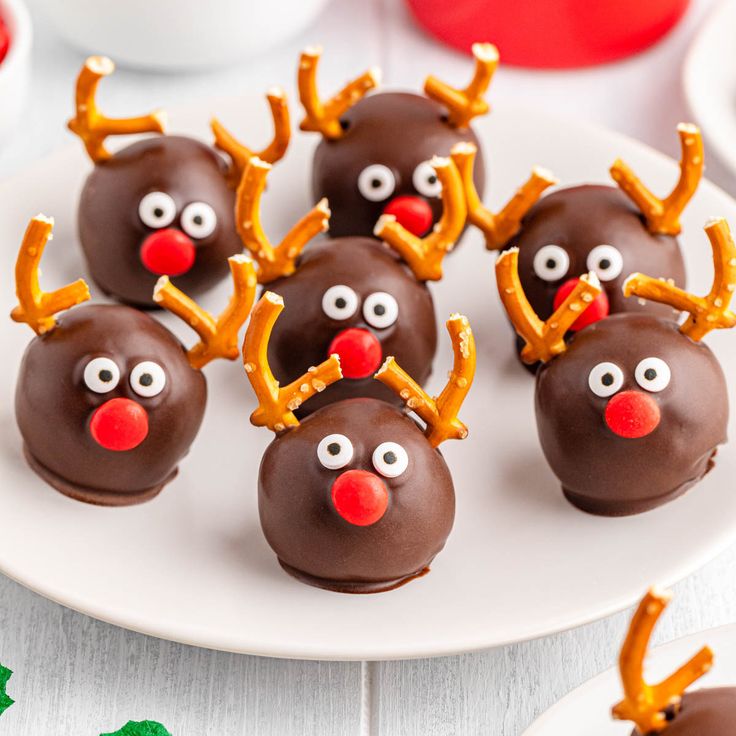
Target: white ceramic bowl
(15, 67)
(178, 34)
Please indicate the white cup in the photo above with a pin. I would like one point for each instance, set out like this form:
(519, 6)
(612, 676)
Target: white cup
(15, 67)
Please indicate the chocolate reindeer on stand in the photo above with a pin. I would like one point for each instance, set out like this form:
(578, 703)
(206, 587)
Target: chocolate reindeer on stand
(631, 412)
(163, 205)
(108, 401)
(355, 498)
(375, 154)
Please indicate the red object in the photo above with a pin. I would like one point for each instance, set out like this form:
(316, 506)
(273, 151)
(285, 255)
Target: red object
(4, 40)
(632, 414)
(598, 308)
(551, 33)
(413, 213)
(359, 350)
(168, 252)
(360, 497)
(119, 424)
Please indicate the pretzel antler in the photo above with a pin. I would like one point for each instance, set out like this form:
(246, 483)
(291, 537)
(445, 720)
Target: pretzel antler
(425, 255)
(276, 405)
(91, 125)
(218, 336)
(498, 227)
(646, 704)
(663, 215)
(465, 104)
(240, 155)
(273, 262)
(544, 340)
(37, 308)
(709, 312)
(324, 117)
(440, 414)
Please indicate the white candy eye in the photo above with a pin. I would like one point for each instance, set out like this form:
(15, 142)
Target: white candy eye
(148, 379)
(390, 459)
(376, 182)
(339, 302)
(335, 451)
(551, 262)
(157, 209)
(653, 374)
(605, 379)
(198, 220)
(380, 310)
(101, 375)
(426, 181)
(606, 261)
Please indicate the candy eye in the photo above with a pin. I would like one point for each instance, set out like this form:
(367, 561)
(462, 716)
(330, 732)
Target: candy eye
(339, 302)
(335, 451)
(426, 181)
(101, 375)
(606, 261)
(653, 374)
(390, 459)
(380, 310)
(376, 182)
(551, 263)
(605, 379)
(157, 209)
(198, 220)
(148, 379)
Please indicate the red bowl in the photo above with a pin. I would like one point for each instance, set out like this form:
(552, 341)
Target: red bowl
(551, 33)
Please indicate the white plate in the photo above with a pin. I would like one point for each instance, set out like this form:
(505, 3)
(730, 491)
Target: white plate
(709, 80)
(586, 710)
(521, 562)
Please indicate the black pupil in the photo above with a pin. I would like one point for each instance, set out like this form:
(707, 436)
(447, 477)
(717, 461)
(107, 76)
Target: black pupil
(607, 379)
(376, 183)
(379, 310)
(197, 219)
(341, 302)
(158, 212)
(650, 374)
(432, 179)
(146, 379)
(333, 448)
(389, 457)
(105, 375)
(551, 263)
(605, 264)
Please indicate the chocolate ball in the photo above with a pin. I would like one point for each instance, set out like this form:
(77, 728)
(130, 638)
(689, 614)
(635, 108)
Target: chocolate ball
(299, 497)
(382, 155)
(621, 434)
(707, 712)
(107, 405)
(159, 206)
(355, 297)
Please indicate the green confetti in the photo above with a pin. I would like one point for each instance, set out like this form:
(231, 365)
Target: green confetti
(140, 728)
(5, 700)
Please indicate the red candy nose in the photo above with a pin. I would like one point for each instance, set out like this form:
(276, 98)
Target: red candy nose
(597, 310)
(413, 213)
(360, 497)
(632, 414)
(119, 424)
(359, 350)
(168, 252)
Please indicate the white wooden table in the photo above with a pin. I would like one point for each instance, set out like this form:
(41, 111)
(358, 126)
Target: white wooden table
(76, 676)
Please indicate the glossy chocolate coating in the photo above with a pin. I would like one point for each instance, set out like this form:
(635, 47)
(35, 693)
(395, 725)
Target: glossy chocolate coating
(396, 129)
(303, 333)
(313, 542)
(707, 712)
(111, 231)
(580, 218)
(610, 475)
(53, 405)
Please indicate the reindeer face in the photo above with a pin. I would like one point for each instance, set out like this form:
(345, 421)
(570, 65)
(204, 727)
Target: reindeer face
(381, 164)
(353, 297)
(161, 206)
(591, 228)
(706, 712)
(108, 404)
(355, 498)
(631, 414)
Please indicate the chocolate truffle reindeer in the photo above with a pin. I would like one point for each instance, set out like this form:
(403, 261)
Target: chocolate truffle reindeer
(355, 498)
(163, 205)
(352, 296)
(631, 412)
(108, 401)
(375, 154)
